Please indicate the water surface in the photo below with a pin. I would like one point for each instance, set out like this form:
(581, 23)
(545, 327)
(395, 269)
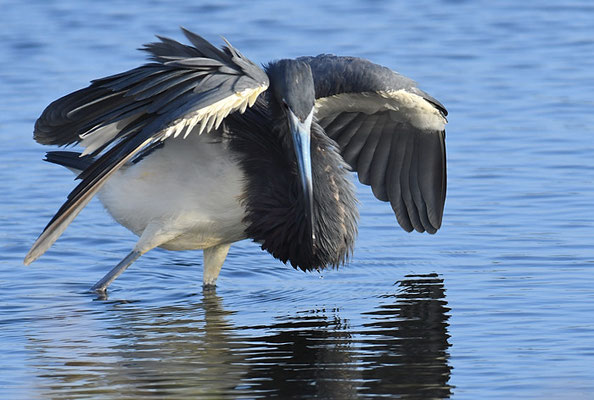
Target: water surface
(499, 304)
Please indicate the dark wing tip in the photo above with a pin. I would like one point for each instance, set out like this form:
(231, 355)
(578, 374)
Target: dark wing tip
(438, 105)
(430, 99)
(432, 177)
(55, 126)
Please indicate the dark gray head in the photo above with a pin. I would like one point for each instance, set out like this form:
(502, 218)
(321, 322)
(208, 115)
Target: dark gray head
(293, 99)
(292, 86)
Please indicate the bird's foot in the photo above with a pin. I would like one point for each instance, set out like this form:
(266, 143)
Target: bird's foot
(209, 287)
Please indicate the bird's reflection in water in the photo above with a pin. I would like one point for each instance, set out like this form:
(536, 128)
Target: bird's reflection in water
(307, 355)
(401, 353)
(195, 351)
(132, 350)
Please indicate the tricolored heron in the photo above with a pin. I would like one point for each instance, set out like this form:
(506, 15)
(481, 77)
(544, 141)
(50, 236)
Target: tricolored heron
(201, 148)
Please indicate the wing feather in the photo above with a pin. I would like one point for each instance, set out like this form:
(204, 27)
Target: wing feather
(397, 161)
(418, 200)
(344, 135)
(379, 165)
(336, 124)
(367, 153)
(352, 149)
(160, 83)
(432, 175)
(405, 187)
(119, 116)
(389, 131)
(127, 79)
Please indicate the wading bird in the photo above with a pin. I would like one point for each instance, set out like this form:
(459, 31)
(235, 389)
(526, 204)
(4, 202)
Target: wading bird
(201, 148)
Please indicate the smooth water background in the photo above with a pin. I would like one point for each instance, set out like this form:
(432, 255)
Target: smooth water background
(498, 305)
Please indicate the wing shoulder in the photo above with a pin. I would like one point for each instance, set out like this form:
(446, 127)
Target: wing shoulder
(334, 75)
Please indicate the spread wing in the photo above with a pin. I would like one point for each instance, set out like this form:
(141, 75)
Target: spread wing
(389, 131)
(117, 117)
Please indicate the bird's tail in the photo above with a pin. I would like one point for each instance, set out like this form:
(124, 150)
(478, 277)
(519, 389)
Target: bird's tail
(69, 159)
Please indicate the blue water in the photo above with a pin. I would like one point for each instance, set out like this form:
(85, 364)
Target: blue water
(498, 304)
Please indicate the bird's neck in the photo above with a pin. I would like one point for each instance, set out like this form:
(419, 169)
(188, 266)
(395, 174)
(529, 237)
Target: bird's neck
(275, 209)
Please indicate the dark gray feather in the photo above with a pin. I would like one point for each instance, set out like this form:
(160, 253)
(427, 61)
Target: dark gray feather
(415, 190)
(69, 159)
(352, 149)
(394, 189)
(161, 82)
(379, 166)
(342, 132)
(405, 190)
(127, 79)
(336, 125)
(368, 150)
(432, 175)
(204, 47)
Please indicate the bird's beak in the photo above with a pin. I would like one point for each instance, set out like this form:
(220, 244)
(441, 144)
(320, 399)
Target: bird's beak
(300, 130)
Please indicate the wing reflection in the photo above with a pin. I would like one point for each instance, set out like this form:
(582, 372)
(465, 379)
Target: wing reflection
(399, 349)
(406, 345)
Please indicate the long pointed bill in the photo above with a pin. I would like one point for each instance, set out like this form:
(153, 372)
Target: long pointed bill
(300, 130)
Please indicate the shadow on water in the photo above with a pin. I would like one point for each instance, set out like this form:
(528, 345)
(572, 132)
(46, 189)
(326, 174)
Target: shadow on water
(196, 351)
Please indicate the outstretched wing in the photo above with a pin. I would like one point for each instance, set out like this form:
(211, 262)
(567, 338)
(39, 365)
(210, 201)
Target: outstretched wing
(118, 116)
(389, 131)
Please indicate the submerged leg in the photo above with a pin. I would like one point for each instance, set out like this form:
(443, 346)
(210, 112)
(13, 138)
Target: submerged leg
(214, 257)
(153, 235)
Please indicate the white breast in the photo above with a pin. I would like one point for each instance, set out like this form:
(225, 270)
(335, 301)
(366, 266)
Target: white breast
(191, 187)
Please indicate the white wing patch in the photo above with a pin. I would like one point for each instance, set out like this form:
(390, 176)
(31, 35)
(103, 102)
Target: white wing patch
(412, 107)
(213, 115)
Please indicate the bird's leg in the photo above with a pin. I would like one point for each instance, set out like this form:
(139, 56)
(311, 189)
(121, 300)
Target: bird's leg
(102, 285)
(214, 257)
(155, 234)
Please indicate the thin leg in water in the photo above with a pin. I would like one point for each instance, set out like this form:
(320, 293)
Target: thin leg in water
(155, 234)
(102, 285)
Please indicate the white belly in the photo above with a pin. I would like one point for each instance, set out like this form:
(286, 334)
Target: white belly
(191, 188)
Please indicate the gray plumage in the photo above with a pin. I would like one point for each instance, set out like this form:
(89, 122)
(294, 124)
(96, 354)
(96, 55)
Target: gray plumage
(292, 130)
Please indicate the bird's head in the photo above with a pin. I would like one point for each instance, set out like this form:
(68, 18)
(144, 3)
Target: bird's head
(292, 87)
